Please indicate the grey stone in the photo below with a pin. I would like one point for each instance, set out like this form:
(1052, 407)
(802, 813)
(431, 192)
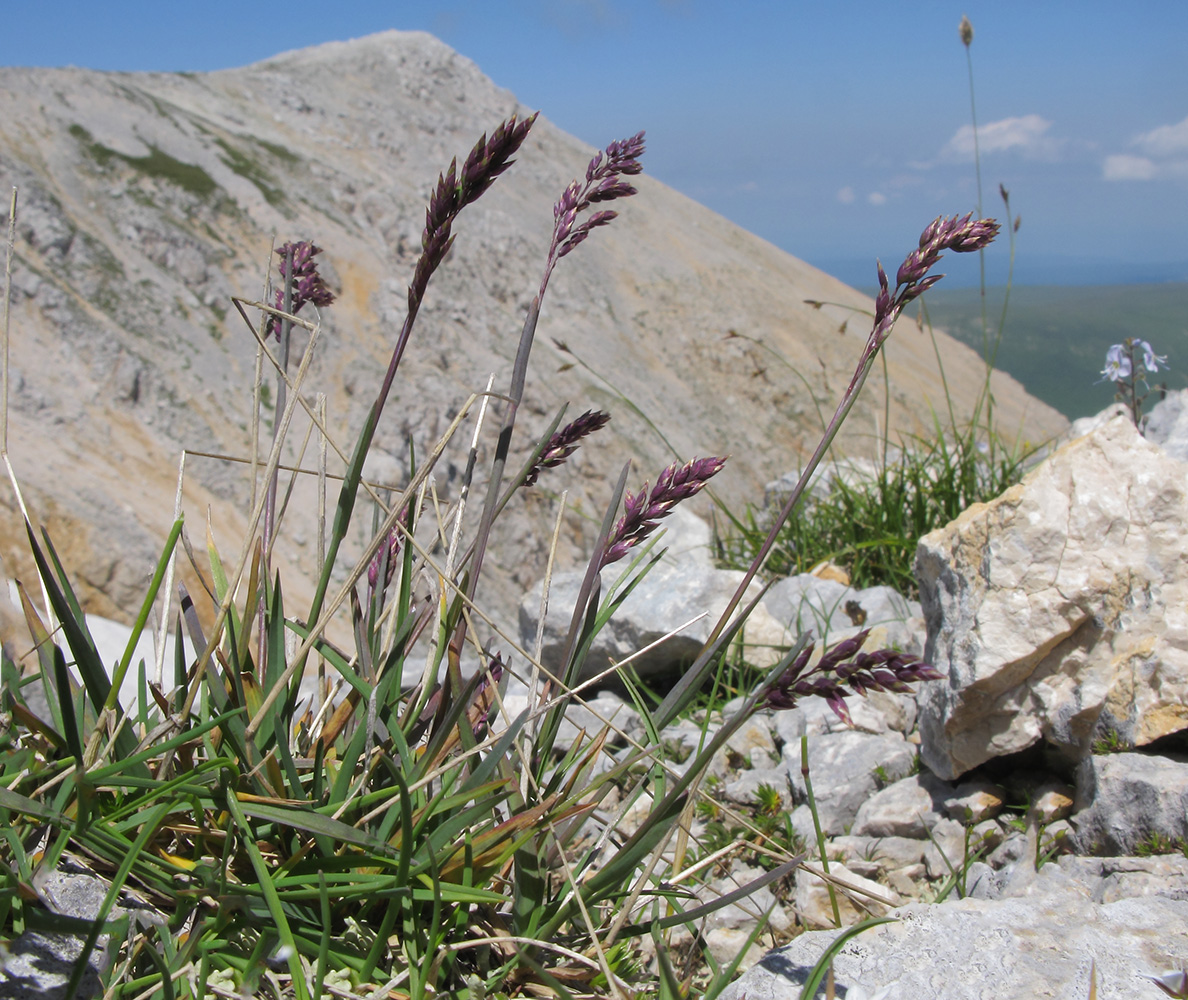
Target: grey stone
(843, 772)
(885, 853)
(945, 852)
(857, 897)
(1010, 851)
(833, 611)
(908, 808)
(744, 789)
(980, 949)
(983, 882)
(1123, 798)
(975, 801)
(657, 626)
(39, 964)
(1167, 424)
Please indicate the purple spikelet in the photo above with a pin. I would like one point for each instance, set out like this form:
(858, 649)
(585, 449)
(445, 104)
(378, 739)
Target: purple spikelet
(604, 183)
(565, 442)
(961, 234)
(308, 285)
(843, 669)
(489, 158)
(642, 511)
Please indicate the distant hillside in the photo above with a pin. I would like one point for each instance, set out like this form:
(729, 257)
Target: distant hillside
(1056, 337)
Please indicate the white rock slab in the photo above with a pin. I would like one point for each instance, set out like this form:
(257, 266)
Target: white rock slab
(1059, 611)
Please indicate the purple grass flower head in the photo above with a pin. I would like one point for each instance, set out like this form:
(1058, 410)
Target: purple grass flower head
(565, 442)
(484, 696)
(642, 511)
(604, 183)
(961, 234)
(308, 285)
(843, 669)
(489, 158)
(388, 555)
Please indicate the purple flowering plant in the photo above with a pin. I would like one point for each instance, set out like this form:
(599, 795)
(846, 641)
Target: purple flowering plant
(305, 286)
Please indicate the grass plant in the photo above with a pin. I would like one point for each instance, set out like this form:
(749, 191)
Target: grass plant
(400, 834)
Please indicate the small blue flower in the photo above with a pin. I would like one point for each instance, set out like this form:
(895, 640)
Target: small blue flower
(1117, 366)
(1151, 360)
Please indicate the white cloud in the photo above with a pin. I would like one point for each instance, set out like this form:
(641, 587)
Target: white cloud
(1124, 167)
(877, 198)
(1167, 140)
(1027, 136)
(1166, 149)
(846, 195)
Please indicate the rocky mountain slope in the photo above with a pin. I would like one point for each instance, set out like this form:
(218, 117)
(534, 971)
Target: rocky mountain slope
(148, 200)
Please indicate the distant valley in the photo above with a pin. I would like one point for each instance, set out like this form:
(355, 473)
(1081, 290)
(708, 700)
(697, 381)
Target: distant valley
(1055, 337)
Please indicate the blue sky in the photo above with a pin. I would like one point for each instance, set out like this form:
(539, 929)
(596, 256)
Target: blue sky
(836, 130)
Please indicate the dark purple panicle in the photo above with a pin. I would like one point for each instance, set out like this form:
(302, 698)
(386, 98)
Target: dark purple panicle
(308, 285)
(603, 183)
(565, 442)
(642, 511)
(489, 158)
(961, 234)
(843, 667)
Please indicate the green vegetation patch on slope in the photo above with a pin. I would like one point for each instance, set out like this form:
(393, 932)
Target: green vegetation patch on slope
(158, 164)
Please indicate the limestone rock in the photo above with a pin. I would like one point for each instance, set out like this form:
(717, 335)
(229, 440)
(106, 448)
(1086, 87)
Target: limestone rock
(977, 949)
(975, 801)
(659, 613)
(907, 808)
(833, 611)
(844, 769)
(1124, 798)
(1167, 424)
(1059, 611)
(857, 897)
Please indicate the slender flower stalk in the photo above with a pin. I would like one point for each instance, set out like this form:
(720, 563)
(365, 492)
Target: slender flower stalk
(961, 234)
(455, 190)
(565, 442)
(843, 666)
(603, 183)
(642, 511)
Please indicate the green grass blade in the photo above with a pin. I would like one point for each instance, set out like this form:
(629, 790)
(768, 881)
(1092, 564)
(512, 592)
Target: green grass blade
(830, 953)
(142, 617)
(271, 898)
(312, 822)
(117, 884)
